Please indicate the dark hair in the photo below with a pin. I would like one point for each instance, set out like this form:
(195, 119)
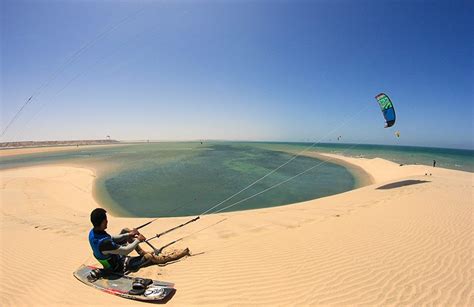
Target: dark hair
(97, 216)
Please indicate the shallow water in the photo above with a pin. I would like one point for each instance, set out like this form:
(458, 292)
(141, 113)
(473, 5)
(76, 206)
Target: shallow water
(170, 183)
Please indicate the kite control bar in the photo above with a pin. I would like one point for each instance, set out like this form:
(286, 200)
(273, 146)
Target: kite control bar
(158, 250)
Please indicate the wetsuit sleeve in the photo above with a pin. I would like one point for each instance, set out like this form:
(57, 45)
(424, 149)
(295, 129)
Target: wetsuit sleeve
(120, 250)
(120, 237)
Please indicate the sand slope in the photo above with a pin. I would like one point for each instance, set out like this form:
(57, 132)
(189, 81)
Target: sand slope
(405, 239)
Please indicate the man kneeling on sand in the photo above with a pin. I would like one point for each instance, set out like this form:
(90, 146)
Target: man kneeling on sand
(111, 251)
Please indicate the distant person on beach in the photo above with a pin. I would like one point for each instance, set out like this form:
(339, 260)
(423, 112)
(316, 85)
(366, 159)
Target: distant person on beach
(111, 251)
(434, 163)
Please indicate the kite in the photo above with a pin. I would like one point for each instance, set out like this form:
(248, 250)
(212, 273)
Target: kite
(388, 111)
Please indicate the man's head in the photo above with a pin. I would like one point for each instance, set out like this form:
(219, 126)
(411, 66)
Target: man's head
(99, 218)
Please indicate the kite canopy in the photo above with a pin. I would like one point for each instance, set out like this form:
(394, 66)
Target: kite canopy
(387, 109)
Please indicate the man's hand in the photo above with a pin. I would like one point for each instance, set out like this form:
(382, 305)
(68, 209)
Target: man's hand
(141, 238)
(133, 233)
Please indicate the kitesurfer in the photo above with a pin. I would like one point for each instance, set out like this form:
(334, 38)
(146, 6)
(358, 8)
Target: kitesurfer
(111, 251)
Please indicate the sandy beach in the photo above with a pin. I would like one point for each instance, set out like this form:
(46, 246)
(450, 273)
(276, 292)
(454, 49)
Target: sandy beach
(406, 238)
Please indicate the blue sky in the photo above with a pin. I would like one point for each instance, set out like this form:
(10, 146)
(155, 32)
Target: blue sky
(238, 70)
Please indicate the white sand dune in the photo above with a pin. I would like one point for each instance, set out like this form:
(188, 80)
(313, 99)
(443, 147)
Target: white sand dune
(406, 239)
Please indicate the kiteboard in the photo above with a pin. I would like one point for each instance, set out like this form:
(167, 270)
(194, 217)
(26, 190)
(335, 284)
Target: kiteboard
(120, 285)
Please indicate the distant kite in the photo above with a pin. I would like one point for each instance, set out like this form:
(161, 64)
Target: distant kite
(388, 111)
(397, 134)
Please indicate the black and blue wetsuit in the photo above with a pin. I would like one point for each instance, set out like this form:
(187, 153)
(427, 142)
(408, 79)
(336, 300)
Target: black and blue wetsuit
(101, 242)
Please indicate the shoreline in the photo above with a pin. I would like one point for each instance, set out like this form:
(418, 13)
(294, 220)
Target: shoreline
(384, 240)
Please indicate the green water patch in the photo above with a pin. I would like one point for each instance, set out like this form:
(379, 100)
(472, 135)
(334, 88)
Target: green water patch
(177, 183)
